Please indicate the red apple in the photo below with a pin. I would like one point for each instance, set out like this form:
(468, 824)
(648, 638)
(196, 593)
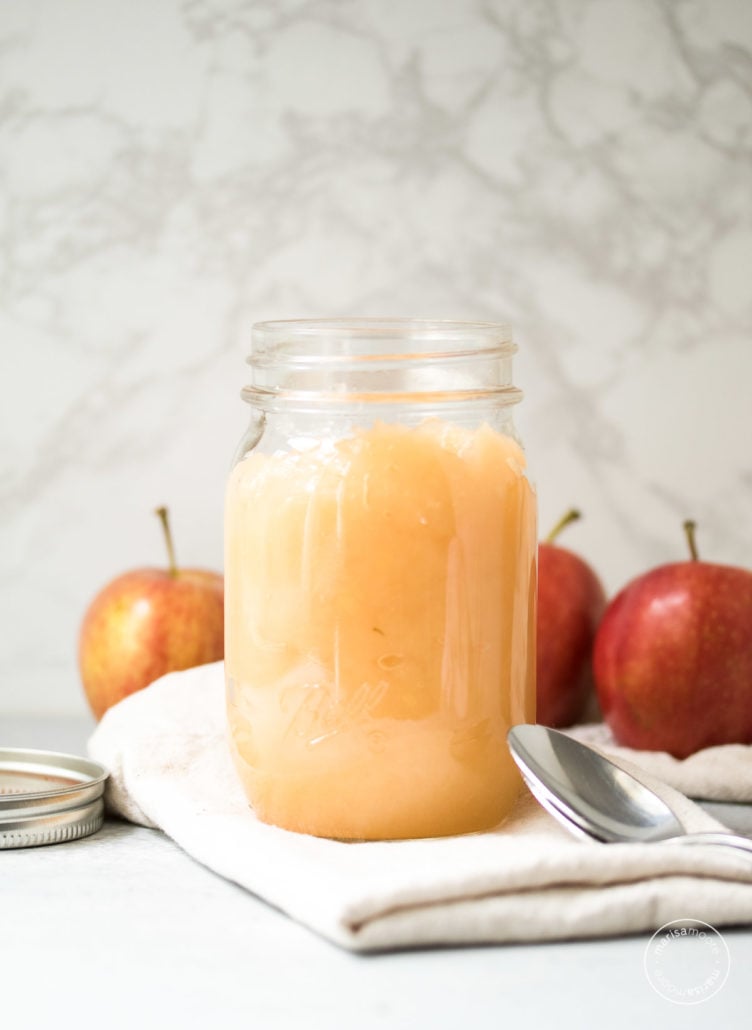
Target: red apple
(673, 658)
(571, 601)
(146, 623)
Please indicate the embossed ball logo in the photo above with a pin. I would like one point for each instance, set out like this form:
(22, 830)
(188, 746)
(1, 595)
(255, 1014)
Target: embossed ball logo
(687, 961)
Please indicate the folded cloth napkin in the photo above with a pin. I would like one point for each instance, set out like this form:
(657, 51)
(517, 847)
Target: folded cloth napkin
(714, 774)
(528, 880)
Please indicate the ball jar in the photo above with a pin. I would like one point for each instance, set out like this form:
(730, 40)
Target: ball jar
(380, 579)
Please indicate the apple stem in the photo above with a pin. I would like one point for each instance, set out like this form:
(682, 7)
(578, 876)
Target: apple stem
(165, 520)
(689, 529)
(571, 516)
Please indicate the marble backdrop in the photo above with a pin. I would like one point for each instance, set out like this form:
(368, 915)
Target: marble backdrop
(173, 170)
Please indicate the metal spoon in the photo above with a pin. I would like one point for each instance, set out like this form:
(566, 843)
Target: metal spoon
(593, 798)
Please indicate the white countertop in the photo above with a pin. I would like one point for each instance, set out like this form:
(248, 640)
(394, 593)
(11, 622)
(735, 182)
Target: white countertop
(123, 929)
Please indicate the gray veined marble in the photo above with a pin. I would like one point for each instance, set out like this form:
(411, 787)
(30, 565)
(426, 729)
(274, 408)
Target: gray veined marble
(171, 172)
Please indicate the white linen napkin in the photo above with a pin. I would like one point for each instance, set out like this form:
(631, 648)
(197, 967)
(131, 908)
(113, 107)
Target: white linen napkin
(714, 774)
(527, 880)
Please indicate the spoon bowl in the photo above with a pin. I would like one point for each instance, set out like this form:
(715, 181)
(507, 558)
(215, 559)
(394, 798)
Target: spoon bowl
(593, 797)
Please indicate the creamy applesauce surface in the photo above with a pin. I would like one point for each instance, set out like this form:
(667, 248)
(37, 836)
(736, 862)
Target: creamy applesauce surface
(380, 629)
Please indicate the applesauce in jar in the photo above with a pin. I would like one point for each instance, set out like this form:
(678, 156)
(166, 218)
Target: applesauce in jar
(380, 579)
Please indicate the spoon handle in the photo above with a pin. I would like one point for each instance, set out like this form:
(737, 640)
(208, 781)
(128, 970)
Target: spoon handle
(728, 840)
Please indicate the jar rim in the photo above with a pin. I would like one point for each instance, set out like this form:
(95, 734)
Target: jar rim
(366, 361)
(357, 339)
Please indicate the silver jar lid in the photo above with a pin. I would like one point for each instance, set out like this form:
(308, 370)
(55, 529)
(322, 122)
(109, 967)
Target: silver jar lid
(48, 798)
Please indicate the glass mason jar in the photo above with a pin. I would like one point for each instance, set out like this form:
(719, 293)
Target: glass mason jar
(380, 579)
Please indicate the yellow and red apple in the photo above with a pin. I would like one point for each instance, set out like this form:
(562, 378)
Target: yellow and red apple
(148, 622)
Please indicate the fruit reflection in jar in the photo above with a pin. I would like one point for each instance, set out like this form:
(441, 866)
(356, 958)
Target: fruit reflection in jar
(380, 564)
